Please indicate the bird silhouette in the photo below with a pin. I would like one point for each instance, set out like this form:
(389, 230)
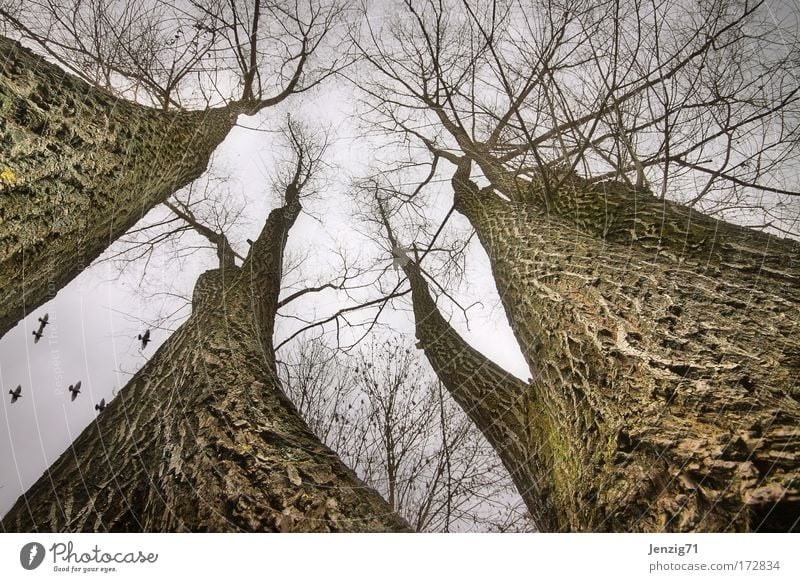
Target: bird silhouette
(16, 394)
(145, 338)
(42, 322)
(102, 406)
(75, 390)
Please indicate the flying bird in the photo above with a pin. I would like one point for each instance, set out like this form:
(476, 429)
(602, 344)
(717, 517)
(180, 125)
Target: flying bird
(75, 390)
(102, 406)
(16, 394)
(42, 322)
(145, 338)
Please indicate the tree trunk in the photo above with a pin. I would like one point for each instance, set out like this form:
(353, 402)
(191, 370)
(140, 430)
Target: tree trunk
(78, 168)
(499, 404)
(202, 438)
(664, 351)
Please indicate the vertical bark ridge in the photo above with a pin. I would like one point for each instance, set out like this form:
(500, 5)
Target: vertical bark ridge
(264, 263)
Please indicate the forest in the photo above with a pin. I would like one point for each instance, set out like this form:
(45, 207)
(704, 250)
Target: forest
(389, 266)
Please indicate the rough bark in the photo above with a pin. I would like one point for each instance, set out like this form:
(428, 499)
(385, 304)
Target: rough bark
(499, 404)
(665, 355)
(203, 438)
(80, 167)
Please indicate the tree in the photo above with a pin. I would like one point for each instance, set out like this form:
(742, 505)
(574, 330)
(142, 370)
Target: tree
(82, 161)
(661, 341)
(499, 404)
(202, 438)
(396, 427)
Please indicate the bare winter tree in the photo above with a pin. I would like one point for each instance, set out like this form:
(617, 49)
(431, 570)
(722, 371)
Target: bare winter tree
(587, 144)
(202, 438)
(662, 342)
(631, 92)
(82, 160)
(397, 428)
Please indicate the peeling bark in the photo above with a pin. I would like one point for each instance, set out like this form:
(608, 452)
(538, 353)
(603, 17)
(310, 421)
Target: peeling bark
(202, 438)
(665, 356)
(80, 167)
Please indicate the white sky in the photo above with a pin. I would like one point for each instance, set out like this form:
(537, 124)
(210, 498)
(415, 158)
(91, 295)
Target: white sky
(94, 321)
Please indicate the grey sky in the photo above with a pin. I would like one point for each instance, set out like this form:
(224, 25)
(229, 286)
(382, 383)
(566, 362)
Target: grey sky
(94, 321)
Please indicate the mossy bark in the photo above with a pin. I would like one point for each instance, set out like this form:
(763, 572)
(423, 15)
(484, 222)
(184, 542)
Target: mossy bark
(202, 438)
(664, 351)
(78, 168)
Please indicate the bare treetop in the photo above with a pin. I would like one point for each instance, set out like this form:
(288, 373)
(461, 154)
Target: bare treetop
(649, 94)
(190, 53)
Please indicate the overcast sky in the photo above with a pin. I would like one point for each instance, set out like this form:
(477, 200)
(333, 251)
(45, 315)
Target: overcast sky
(94, 321)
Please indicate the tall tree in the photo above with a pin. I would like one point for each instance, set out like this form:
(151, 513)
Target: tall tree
(669, 378)
(202, 438)
(81, 162)
(501, 405)
(82, 166)
(662, 342)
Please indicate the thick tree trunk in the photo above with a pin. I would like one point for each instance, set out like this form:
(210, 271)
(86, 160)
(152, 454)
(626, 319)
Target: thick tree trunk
(499, 404)
(78, 168)
(665, 356)
(202, 438)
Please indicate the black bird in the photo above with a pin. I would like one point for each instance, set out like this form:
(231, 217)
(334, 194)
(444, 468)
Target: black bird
(42, 322)
(145, 338)
(75, 390)
(102, 406)
(16, 394)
